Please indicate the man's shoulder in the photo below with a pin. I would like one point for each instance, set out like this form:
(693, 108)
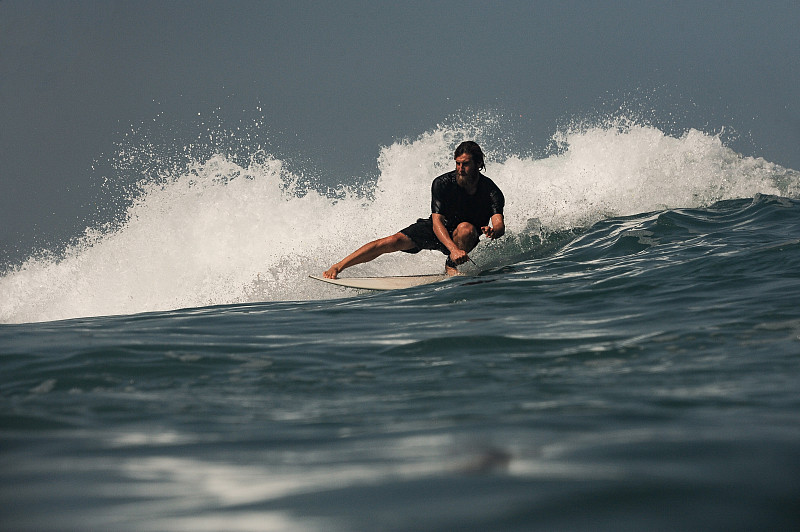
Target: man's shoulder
(446, 177)
(487, 180)
(444, 183)
(488, 184)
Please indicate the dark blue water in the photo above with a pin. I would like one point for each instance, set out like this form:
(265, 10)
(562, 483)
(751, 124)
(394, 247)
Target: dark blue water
(642, 373)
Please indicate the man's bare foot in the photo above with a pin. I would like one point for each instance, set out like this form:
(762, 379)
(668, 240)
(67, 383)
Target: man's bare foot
(449, 270)
(331, 273)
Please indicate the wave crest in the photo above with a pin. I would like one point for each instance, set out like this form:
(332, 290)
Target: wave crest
(227, 231)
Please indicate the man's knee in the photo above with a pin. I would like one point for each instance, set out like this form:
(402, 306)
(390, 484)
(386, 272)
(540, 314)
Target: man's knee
(466, 234)
(466, 229)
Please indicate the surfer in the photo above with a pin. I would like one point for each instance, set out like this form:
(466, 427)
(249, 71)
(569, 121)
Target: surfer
(463, 204)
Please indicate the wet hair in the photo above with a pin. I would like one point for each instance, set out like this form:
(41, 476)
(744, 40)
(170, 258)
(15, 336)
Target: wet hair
(474, 150)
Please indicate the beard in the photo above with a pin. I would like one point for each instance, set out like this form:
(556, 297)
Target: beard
(467, 180)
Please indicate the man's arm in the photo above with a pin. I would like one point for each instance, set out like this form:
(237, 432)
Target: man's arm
(459, 256)
(497, 229)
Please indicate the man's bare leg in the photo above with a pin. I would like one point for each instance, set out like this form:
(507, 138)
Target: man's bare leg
(466, 237)
(370, 251)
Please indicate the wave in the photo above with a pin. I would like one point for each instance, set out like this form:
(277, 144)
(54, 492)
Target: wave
(224, 230)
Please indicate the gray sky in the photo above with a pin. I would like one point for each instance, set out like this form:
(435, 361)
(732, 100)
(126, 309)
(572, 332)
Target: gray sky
(332, 82)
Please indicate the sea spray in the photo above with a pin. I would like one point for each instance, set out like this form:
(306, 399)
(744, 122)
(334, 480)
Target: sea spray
(230, 230)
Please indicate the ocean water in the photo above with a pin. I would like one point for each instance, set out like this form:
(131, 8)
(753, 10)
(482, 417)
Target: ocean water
(626, 358)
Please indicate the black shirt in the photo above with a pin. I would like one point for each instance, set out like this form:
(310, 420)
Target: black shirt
(453, 202)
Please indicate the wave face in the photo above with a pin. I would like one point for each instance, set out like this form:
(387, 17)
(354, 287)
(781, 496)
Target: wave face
(225, 231)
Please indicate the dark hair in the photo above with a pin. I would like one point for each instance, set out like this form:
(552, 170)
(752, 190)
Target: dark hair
(474, 150)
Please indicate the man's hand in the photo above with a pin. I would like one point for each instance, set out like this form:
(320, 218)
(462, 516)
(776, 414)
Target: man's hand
(489, 231)
(497, 229)
(459, 256)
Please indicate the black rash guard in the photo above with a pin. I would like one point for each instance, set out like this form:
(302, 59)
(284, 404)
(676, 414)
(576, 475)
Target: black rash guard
(453, 202)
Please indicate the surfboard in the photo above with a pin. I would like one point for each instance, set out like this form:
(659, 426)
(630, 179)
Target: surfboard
(383, 283)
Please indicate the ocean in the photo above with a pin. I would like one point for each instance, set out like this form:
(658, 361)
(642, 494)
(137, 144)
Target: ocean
(627, 357)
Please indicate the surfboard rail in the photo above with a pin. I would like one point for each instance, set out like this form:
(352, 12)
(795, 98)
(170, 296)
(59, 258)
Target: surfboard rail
(394, 282)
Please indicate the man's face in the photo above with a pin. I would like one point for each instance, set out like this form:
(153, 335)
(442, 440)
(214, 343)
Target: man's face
(466, 169)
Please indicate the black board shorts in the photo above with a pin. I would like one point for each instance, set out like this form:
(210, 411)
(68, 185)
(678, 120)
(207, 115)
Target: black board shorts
(421, 233)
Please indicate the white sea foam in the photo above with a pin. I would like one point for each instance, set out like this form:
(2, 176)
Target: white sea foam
(222, 232)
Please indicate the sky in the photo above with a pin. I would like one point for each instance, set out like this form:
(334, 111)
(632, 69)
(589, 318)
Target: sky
(326, 84)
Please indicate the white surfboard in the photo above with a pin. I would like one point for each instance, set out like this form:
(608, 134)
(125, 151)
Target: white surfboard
(383, 283)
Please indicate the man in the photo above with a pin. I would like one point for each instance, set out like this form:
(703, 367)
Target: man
(463, 203)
